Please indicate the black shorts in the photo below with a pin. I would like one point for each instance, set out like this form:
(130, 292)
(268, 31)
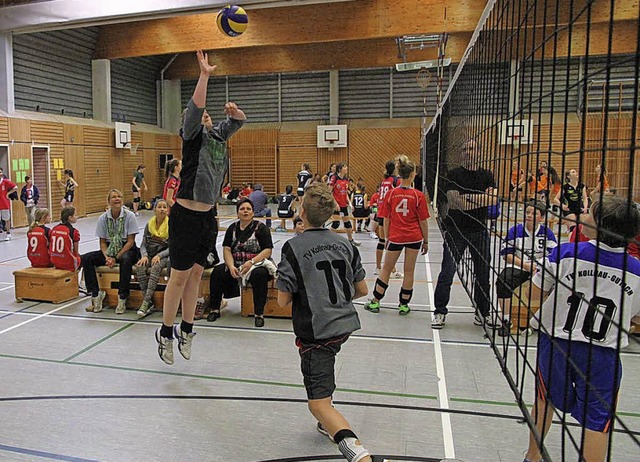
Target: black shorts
(509, 280)
(192, 236)
(380, 220)
(393, 247)
(317, 362)
(134, 189)
(68, 196)
(287, 214)
(344, 211)
(300, 193)
(576, 212)
(360, 213)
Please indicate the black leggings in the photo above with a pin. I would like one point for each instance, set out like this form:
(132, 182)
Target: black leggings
(223, 284)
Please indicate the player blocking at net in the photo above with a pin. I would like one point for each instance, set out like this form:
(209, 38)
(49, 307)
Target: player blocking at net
(584, 324)
(321, 273)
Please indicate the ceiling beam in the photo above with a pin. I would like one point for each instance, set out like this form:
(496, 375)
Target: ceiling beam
(353, 54)
(365, 19)
(64, 14)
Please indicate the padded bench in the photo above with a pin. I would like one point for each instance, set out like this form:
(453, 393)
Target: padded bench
(108, 279)
(271, 309)
(45, 285)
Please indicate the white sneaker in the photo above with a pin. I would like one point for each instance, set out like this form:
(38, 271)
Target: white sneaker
(165, 347)
(438, 321)
(479, 320)
(184, 342)
(396, 275)
(373, 236)
(96, 302)
(376, 271)
(122, 306)
(7, 237)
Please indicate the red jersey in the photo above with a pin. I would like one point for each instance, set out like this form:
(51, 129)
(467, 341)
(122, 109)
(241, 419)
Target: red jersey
(405, 208)
(171, 183)
(373, 202)
(576, 235)
(61, 249)
(387, 185)
(5, 187)
(634, 249)
(340, 190)
(38, 247)
(246, 192)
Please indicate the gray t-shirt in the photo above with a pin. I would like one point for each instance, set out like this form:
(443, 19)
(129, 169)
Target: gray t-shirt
(259, 200)
(204, 156)
(320, 268)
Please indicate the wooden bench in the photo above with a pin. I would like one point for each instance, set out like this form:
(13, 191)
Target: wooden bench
(522, 308)
(108, 279)
(271, 309)
(45, 285)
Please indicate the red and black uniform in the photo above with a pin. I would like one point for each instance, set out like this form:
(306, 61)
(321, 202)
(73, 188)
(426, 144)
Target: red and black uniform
(341, 193)
(38, 247)
(172, 183)
(405, 208)
(61, 249)
(387, 185)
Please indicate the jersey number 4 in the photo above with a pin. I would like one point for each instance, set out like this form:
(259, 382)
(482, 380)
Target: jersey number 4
(599, 307)
(328, 266)
(403, 207)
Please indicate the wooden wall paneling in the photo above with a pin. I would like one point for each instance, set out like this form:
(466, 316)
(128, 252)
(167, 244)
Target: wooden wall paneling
(253, 157)
(20, 130)
(4, 129)
(370, 149)
(74, 159)
(149, 158)
(290, 159)
(73, 134)
(327, 157)
(119, 178)
(98, 177)
(18, 151)
(296, 147)
(98, 137)
(47, 132)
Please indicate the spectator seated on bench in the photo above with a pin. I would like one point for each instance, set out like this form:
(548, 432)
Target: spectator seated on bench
(524, 245)
(247, 248)
(155, 255)
(117, 229)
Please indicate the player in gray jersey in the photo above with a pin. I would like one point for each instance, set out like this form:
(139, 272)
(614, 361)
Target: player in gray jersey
(320, 274)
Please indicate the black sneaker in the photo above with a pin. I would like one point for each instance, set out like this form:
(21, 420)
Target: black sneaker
(258, 321)
(505, 329)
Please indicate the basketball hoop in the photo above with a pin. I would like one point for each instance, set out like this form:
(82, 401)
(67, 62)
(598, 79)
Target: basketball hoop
(133, 148)
(330, 145)
(516, 140)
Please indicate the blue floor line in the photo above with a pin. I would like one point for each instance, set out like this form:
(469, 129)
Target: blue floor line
(47, 455)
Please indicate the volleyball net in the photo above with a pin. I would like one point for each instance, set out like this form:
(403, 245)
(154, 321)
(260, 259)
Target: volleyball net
(546, 99)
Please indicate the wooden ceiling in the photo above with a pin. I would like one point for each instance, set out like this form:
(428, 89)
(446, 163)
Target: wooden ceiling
(353, 34)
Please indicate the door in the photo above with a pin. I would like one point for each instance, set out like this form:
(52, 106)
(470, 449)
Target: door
(41, 176)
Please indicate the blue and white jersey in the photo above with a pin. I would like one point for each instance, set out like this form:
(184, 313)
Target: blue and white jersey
(593, 295)
(527, 246)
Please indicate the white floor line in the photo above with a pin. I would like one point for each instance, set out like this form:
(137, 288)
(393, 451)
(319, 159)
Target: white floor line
(443, 398)
(7, 288)
(55, 310)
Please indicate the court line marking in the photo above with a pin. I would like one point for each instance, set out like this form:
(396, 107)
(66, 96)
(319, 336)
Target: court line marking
(7, 288)
(42, 315)
(443, 399)
(271, 383)
(43, 454)
(98, 342)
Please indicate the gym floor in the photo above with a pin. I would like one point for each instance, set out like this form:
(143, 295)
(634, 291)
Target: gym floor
(78, 386)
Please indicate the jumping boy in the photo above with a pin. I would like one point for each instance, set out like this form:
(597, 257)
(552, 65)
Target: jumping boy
(321, 273)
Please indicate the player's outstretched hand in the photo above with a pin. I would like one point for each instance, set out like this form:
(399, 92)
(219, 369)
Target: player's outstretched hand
(203, 62)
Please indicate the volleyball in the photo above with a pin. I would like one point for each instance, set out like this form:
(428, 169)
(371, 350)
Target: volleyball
(232, 20)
